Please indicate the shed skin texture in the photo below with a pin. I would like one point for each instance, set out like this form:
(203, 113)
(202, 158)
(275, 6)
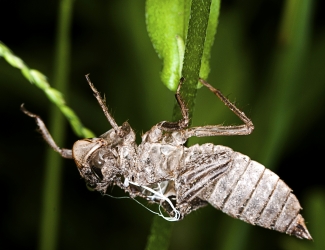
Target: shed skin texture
(200, 174)
(180, 179)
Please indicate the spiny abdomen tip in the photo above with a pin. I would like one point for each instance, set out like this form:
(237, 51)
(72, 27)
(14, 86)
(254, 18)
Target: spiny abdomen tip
(298, 228)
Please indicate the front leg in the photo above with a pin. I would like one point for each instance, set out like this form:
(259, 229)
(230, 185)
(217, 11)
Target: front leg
(184, 122)
(65, 153)
(210, 130)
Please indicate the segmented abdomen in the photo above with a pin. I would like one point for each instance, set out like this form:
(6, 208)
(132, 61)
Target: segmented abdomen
(250, 192)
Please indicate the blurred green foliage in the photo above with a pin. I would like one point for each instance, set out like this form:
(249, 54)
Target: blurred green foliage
(267, 55)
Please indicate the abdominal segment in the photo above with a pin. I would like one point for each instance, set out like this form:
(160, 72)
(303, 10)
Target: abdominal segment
(248, 191)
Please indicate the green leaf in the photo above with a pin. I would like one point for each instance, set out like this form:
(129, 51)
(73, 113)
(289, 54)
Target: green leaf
(167, 23)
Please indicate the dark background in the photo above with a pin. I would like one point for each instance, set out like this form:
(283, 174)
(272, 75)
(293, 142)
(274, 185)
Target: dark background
(109, 40)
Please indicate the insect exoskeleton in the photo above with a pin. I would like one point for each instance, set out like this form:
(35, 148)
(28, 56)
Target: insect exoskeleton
(180, 179)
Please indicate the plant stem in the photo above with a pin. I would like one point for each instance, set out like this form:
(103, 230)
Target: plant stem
(199, 17)
(160, 234)
(198, 23)
(52, 179)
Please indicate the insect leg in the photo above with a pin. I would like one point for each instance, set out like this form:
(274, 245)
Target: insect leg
(102, 104)
(214, 130)
(65, 153)
(183, 123)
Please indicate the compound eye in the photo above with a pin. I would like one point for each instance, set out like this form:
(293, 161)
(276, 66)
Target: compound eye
(99, 159)
(97, 172)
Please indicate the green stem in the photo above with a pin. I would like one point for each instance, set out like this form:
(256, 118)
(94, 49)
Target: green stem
(52, 183)
(160, 234)
(194, 46)
(40, 81)
(199, 17)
